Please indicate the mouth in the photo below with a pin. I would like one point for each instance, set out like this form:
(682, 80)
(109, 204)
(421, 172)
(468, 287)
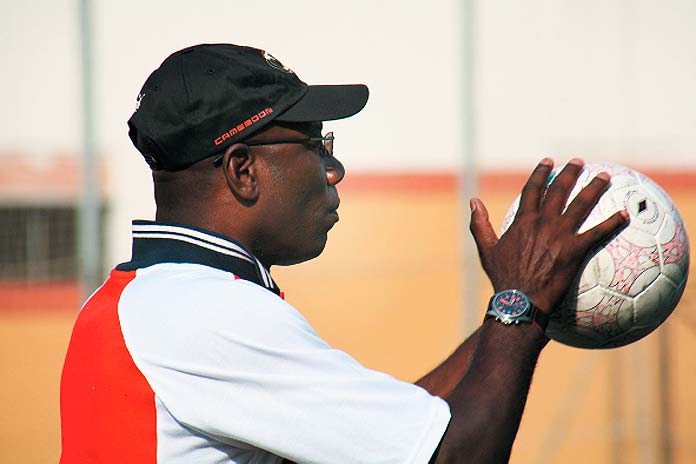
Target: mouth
(333, 215)
(333, 210)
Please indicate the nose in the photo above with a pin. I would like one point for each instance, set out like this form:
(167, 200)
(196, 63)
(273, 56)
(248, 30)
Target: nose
(334, 171)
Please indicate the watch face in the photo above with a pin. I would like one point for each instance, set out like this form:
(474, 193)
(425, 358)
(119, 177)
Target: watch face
(510, 304)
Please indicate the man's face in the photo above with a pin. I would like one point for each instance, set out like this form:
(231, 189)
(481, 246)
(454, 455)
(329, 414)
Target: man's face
(298, 198)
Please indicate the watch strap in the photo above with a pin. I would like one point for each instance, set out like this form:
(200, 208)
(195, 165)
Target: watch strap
(539, 317)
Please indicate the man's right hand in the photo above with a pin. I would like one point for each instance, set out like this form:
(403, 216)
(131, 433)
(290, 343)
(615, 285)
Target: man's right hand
(541, 253)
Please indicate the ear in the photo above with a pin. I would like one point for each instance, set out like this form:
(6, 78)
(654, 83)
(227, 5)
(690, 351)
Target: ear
(239, 166)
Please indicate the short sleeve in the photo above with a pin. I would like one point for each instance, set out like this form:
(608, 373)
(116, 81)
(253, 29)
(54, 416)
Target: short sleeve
(234, 361)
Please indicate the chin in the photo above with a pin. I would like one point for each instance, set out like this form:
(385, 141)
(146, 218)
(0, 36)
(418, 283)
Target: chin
(305, 255)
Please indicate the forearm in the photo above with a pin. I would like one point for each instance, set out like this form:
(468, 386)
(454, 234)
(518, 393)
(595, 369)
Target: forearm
(442, 380)
(488, 402)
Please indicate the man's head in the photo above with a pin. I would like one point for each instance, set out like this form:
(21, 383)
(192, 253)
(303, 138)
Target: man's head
(204, 98)
(234, 140)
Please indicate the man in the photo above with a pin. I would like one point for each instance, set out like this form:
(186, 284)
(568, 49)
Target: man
(188, 353)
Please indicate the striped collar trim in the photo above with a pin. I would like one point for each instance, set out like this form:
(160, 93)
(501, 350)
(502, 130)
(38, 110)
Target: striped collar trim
(156, 242)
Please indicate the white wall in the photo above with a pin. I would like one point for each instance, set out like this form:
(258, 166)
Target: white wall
(611, 80)
(40, 79)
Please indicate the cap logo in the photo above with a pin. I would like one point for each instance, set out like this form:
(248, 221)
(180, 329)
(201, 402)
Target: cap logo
(275, 64)
(138, 100)
(243, 125)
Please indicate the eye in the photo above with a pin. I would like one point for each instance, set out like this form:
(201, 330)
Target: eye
(316, 147)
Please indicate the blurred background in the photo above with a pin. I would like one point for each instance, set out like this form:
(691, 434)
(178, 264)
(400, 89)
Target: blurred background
(466, 97)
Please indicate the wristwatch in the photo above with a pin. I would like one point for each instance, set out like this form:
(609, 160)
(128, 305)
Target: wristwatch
(513, 306)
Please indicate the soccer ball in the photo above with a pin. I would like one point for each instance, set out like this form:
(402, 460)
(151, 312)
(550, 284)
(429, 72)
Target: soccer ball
(629, 285)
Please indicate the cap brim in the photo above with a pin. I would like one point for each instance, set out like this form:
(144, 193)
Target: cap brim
(326, 103)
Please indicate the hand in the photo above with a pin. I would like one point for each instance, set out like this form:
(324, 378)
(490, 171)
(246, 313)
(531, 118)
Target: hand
(541, 253)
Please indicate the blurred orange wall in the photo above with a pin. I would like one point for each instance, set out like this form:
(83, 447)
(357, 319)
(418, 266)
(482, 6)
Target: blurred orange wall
(388, 291)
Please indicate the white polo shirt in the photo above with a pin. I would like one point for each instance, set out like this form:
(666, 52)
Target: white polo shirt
(188, 354)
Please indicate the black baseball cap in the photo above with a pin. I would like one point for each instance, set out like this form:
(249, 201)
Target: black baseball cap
(205, 98)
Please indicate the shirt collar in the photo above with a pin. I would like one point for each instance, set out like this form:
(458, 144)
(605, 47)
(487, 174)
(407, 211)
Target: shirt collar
(157, 242)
